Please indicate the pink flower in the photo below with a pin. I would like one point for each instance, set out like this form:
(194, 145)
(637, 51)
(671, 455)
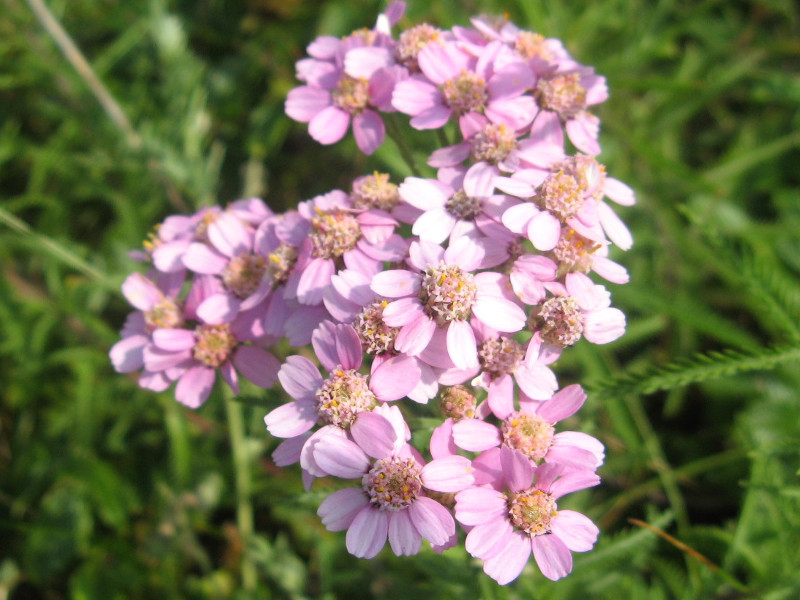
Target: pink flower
(391, 501)
(339, 398)
(193, 356)
(343, 89)
(443, 293)
(564, 95)
(335, 234)
(531, 431)
(518, 515)
(455, 83)
(463, 210)
(579, 308)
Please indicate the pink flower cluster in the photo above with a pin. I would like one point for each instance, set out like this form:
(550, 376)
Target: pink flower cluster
(465, 288)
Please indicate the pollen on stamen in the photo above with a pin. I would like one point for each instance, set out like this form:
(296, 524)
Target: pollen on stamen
(447, 293)
(493, 143)
(558, 320)
(342, 396)
(500, 356)
(166, 314)
(412, 41)
(561, 93)
(333, 234)
(243, 274)
(466, 93)
(532, 511)
(351, 94)
(561, 194)
(393, 483)
(574, 253)
(528, 434)
(375, 335)
(458, 403)
(462, 206)
(532, 45)
(280, 264)
(375, 192)
(214, 344)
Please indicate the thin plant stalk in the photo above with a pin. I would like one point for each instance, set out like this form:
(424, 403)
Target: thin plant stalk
(244, 505)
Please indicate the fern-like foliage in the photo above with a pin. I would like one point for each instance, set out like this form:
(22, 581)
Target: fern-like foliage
(700, 367)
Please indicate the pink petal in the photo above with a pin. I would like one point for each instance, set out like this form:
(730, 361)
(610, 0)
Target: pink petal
(402, 312)
(449, 474)
(537, 381)
(141, 292)
(415, 96)
(257, 365)
(442, 443)
(552, 556)
(403, 536)
(367, 533)
(300, 378)
(432, 520)
(414, 337)
(195, 386)
(339, 509)
(576, 530)
(174, 340)
(476, 435)
(315, 278)
(442, 62)
(369, 131)
(517, 469)
(329, 125)
(487, 539)
(229, 235)
(619, 192)
(564, 404)
(424, 194)
(505, 566)
(479, 505)
(374, 434)
(304, 103)
(201, 258)
(291, 419)
(362, 62)
(348, 347)
(396, 283)
(604, 326)
(432, 118)
(434, 225)
(395, 378)
(288, 451)
(126, 355)
(614, 227)
(218, 309)
(583, 132)
(499, 314)
(341, 458)
(544, 231)
(461, 345)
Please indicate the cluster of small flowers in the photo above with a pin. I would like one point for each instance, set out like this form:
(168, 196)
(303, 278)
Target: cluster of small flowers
(471, 309)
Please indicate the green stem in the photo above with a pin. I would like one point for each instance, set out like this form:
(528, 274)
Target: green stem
(55, 249)
(244, 506)
(396, 133)
(441, 135)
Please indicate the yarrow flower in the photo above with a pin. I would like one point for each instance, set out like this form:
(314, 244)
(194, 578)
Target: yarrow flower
(455, 292)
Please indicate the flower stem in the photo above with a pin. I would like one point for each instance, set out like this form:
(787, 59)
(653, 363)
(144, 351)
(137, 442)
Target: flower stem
(396, 133)
(244, 506)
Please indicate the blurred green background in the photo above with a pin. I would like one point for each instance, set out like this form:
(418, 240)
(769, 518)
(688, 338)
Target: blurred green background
(111, 492)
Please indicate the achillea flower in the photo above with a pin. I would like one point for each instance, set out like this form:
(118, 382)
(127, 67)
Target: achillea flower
(457, 84)
(336, 400)
(443, 293)
(531, 431)
(461, 210)
(392, 501)
(517, 514)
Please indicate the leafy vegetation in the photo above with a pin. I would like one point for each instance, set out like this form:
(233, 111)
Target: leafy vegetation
(108, 491)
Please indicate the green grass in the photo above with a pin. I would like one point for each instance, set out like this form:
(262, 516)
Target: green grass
(108, 491)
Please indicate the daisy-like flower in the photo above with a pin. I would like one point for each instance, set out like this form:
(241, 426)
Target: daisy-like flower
(563, 96)
(157, 307)
(579, 308)
(336, 400)
(456, 211)
(531, 431)
(194, 356)
(443, 293)
(351, 87)
(392, 500)
(340, 236)
(457, 84)
(517, 515)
